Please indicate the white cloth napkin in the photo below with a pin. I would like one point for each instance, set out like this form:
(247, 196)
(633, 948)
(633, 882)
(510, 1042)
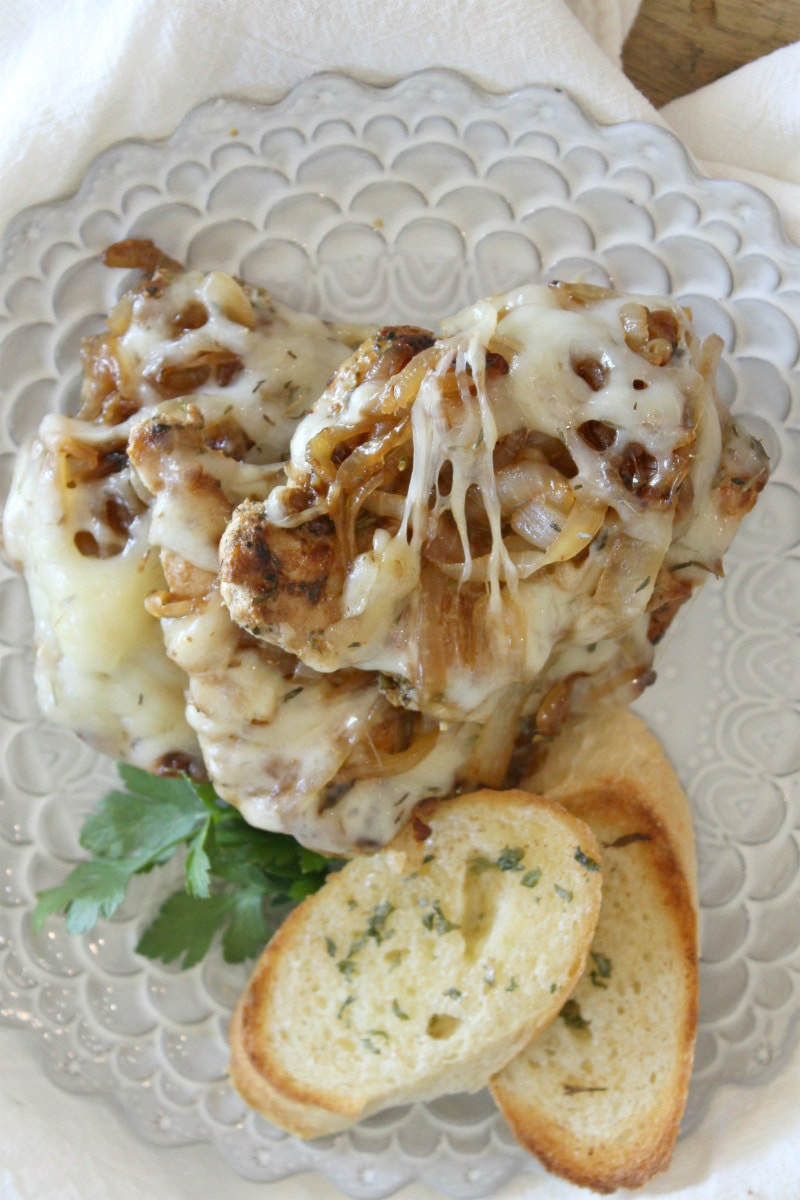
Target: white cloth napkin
(83, 74)
(747, 126)
(78, 76)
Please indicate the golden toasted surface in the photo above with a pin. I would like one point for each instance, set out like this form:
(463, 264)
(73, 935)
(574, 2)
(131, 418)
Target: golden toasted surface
(613, 749)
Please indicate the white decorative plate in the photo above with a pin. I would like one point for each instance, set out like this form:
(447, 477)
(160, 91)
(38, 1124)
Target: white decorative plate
(403, 204)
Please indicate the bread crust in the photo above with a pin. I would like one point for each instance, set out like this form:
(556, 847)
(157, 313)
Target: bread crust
(304, 1119)
(613, 747)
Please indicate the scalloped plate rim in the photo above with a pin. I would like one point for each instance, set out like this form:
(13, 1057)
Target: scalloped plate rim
(779, 247)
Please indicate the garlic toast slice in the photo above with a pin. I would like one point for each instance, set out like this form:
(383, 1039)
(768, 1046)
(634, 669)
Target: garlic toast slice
(422, 968)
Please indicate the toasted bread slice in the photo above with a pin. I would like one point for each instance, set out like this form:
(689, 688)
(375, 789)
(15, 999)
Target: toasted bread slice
(611, 748)
(598, 1097)
(420, 969)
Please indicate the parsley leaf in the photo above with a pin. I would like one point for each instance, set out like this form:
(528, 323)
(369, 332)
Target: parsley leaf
(585, 860)
(92, 890)
(233, 873)
(248, 930)
(571, 1015)
(436, 921)
(138, 824)
(601, 971)
(184, 928)
(509, 859)
(198, 864)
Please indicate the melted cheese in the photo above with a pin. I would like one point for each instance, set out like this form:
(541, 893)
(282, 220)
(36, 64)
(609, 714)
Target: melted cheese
(533, 613)
(100, 667)
(117, 522)
(273, 739)
(285, 357)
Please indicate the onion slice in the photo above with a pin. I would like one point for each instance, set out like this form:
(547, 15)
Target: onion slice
(583, 523)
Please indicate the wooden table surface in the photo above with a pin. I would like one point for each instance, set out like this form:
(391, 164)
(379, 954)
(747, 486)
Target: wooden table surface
(677, 46)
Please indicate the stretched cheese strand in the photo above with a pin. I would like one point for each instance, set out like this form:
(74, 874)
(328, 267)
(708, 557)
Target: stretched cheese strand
(525, 476)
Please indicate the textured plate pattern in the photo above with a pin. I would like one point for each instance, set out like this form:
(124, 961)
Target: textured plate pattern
(404, 204)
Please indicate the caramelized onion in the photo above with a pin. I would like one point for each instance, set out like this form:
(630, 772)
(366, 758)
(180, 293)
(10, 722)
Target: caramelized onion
(491, 753)
(369, 762)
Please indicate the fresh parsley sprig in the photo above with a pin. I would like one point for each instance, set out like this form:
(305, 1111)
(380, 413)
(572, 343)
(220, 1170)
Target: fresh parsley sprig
(233, 872)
